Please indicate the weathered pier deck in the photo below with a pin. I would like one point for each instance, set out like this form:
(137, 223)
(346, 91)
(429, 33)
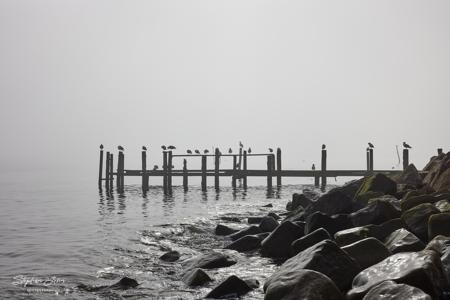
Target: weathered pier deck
(238, 170)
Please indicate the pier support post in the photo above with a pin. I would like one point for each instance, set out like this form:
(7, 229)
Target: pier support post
(368, 159)
(100, 169)
(203, 172)
(111, 172)
(371, 159)
(324, 167)
(165, 172)
(144, 171)
(169, 171)
(185, 175)
(245, 169)
(216, 168)
(107, 170)
(316, 181)
(439, 151)
(405, 158)
(233, 176)
(120, 172)
(269, 171)
(278, 167)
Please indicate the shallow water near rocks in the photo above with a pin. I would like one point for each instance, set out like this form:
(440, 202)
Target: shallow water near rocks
(57, 234)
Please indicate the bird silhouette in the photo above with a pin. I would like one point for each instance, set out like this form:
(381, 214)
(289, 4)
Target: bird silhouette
(197, 151)
(241, 145)
(155, 167)
(406, 145)
(370, 145)
(101, 146)
(163, 147)
(120, 148)
(313, 167)
(189, 152)
(323, 146)
(206, 151)
(249, 150)
(270, 150)
(230, 150)
(171, 147)
(144, 148)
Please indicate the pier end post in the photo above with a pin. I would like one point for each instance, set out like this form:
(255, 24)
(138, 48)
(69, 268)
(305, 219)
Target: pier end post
(185, 175)
(216, 168)
(278, 167)
(405, 158)
(245, 169)
(233, 176)
(203, 173)
(100, 168)
(324, 167)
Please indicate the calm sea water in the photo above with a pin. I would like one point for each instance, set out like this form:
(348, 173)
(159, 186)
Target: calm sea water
(57, 232)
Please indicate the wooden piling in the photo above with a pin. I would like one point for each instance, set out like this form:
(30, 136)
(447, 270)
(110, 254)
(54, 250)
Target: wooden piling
(185, 175)
(144, 171)
(405, 158)
(100, 169)
(233, 176)
(107, 170)
(317, 181)
(269, 170)
(440, 151)
(324, 167)
(204, 173)
(165, 171)
(278, 167)
(111, 168)
(122, 170)
(244, 176)
(169, 171)
(119, 173)
(370, 159)
(240, 159)
(216, 168)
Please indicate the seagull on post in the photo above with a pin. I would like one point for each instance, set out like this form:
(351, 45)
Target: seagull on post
(370, 145)
(163, 147)
(101, 146)
(120, 148)
(323, 146)
(206, 151)
(144, 148)
(197, 151)
(189, 152)
(171, 147)
(406, 145)
(270, 150)
(230, 150)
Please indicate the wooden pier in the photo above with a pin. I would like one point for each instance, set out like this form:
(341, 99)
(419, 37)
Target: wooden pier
(237, 171)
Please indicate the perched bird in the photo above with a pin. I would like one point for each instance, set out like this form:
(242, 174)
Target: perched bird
(270, 150)
(197, 151)
(370, 145)
(323, 146)
(241, 145)
(206, 151)
(101, 146)
(120, 148)
(144, 148)
(313, 167)
(155, 167)
(189, 152)
(163, 147)
(171, 147)
(249, 150)
(406, 145)
(230, 150)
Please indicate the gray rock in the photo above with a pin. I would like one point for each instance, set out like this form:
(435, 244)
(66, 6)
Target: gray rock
(170, 256)
(402, 240)
(245, 243)
(210, 260)
(196, 277)
(409, 176)
(300, 284)
(274, 215)
(441, 244)
(416, 219)
(309, 240)
(336, 201)
(224, 230)
(420, 269)
(376, 212)
(439, 224)
(367, 252)
(268, 224)
(300, 200)
(278, 243)
(233, 286)
(332, 224)
(393, 291)
(254, 220)
(252, 230)
(378, 183)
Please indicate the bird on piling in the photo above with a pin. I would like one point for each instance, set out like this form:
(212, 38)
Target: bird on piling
(101, 146)
(171, 147)
(313, 167)
(197, 151)
(323, 146)
(270, 150)
(371, 145)
(120, 148)
(249, 150)
(406, 145)
(230, 150)
(241, 145)
(189, 152)
(144, 148)
(163, 147)
(155, 167)
(206, 151)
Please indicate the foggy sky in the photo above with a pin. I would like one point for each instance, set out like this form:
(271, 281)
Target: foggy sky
(197, 74)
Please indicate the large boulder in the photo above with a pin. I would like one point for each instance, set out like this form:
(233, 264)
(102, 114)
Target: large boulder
(439, 224)
(278, 243)
(378, 183)
(295, 216)
(233, 286)
(209, 260)
(196, 277)
(224, 230)
(410, 202)
(367, 252)
(416, 219)
(348, 236)
(441, 244)
(268, 224)
(402, 240)
(309, 240)
(299, 200)
(245, 243)
(251, 230)
(438, 176)
(301, 284)
(332, 224)
(409, 176)
(363, 199)
(170, 256)
(395, 291)
(324, 257)
(336, 201)
(376, 212)
(420, 269)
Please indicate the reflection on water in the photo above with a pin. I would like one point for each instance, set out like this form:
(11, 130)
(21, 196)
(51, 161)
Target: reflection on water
(79, 235)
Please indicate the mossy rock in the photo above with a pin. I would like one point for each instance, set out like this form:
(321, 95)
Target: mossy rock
(439, 224)
(363, 199)
(443, 206)
(377, 183)
(416, 219)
